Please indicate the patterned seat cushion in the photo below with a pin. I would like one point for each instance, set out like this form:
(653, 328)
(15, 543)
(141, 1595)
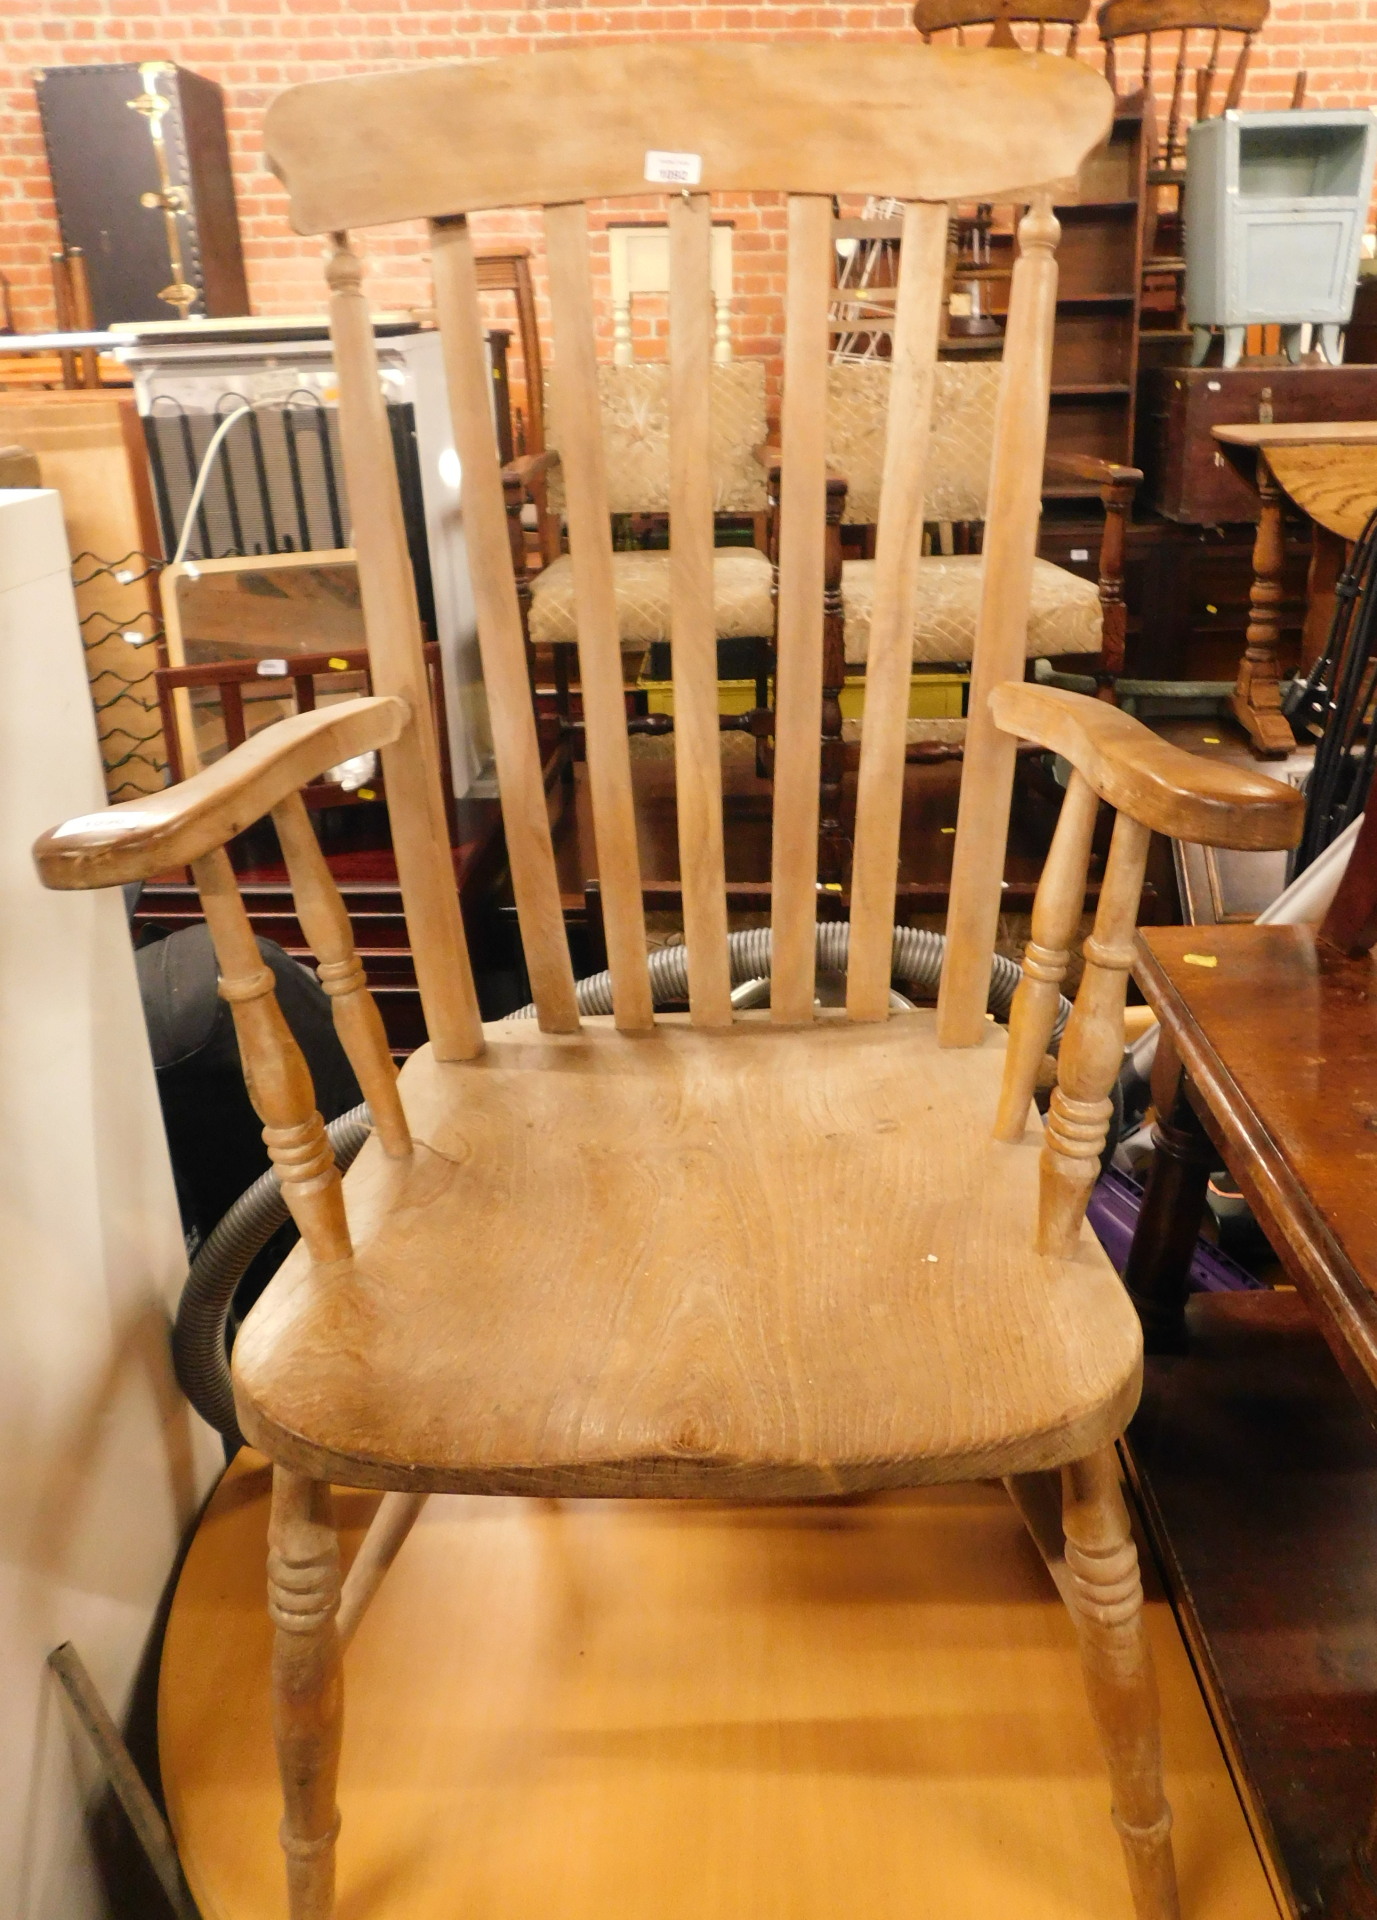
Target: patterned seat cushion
(1064, 616)
(635, 437)
(741, 598)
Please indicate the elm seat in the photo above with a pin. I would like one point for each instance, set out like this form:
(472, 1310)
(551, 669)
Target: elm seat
(765, 1319)
(1065, 614)
(743, 608)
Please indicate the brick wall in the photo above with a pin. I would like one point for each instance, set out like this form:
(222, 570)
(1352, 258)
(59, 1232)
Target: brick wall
(253, 48)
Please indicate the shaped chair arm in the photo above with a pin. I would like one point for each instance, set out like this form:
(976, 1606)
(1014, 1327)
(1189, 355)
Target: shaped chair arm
(529, 467)
(1087, 466)
(182, 823)
(1161, 786)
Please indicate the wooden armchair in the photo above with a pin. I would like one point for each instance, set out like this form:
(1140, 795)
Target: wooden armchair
(1067, 613)
(634, 409)
(773, 1256)
(1193, 96)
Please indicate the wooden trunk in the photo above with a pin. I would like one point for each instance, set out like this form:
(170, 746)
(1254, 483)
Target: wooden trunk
(108, 185)
(1189, 476)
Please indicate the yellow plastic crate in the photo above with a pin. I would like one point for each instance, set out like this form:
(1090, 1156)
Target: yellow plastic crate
(931, 696)
(733, 696)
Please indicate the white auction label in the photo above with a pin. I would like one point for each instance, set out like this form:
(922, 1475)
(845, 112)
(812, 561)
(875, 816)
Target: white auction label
(272, 669)
(674, 169)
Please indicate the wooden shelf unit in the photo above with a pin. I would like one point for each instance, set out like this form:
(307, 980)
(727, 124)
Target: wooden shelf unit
(1100, 256)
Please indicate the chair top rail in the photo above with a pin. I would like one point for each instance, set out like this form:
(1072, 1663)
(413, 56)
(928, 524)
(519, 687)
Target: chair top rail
(938, 16)
(1119, 18)
(916, 122)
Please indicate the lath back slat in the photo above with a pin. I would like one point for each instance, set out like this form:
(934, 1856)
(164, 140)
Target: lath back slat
(420, 832)
(889, 665)
(516, 748)
(798, 632)
(1001, 629)
(693, 629)
(575, 379)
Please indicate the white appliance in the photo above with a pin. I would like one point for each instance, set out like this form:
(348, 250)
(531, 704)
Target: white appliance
(106, 1465)
(278, 484)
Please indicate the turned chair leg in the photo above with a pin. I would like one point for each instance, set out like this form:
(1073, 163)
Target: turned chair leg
(303, 1599)
(1106, 1599)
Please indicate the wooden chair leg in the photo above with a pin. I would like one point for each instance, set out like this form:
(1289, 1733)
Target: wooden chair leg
(303, 1599)
(1106, 1598)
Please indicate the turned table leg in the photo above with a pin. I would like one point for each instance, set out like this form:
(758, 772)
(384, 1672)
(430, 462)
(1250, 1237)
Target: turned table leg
(1256, 698)
(1157, 1275)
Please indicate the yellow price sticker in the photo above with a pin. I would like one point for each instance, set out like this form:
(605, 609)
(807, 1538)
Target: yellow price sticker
(367, 793)
(340, 666)
(1201, 959)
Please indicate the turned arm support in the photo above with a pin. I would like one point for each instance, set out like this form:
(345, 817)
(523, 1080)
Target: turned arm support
(528, 468)
(182, 824)
(523, 481)
(189, 825)
(1117, 486)
(1153, 787)
(1088, 466)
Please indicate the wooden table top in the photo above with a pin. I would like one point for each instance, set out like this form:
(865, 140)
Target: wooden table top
(1329, 468)
(1284, 433)
(1278, 1034)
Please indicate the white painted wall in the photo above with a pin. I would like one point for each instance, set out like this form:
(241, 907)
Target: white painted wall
(103, 1462)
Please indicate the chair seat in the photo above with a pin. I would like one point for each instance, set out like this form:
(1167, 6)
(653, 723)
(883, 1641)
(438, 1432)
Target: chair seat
(742, 606)
(1064, 617)
(776, 1263)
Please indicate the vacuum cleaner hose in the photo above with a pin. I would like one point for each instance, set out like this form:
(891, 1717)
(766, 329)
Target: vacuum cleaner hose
(917, 962)
(198, 1335)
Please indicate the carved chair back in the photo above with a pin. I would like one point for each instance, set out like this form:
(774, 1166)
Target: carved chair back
(1002, 16)
(244, 701)
(1153, 20)
(927, 126)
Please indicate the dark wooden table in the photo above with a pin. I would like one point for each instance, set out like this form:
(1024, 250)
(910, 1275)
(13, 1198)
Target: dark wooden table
(1254, 1452)
(1329, 469)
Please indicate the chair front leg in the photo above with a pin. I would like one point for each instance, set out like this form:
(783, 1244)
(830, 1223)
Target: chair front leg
(308, 1700)
(1117, 498)
(1106, 1600)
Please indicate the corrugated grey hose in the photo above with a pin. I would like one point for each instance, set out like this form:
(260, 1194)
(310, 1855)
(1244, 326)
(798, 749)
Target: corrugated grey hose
(198, 1334)
(198, 1338)
(917, 960)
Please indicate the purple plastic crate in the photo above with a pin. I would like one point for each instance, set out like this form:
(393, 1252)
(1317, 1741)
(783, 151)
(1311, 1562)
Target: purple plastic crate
(1113, 1213)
